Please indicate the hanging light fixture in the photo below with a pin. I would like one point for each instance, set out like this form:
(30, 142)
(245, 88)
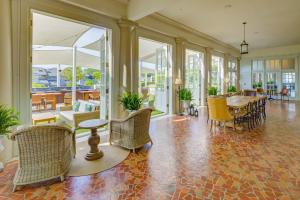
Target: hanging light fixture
(244, 44)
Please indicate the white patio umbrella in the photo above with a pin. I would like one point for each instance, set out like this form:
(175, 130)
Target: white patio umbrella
(63, 42)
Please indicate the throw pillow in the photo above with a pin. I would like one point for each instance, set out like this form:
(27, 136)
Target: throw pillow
(88, 107)
(75, 106)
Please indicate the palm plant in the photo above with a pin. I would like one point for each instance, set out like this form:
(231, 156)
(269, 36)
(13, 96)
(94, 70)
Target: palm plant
(8, 118)
(131, 101)
(231, 89)
(185, 94)
(212, 91)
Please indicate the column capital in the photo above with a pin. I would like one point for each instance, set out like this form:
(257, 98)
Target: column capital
(227, 55)
(208, 49)
(125, 23)
(180, 40)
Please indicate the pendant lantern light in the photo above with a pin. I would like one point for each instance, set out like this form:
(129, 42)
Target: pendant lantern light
(244, 44)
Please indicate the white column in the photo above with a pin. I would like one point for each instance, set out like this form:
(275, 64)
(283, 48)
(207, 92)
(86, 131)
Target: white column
(58, 75)
(178, 71)
(5, 53)
(126, 30)
(238, 75)
(207, 70)
(225, 71)
(128, 59)
(74, 75)
(5, 70)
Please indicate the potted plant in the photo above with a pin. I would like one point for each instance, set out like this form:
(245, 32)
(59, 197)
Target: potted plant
(231, 89)
(131, 101)
(259, 84)
(212, 91)
(8, 118)
(185, 96)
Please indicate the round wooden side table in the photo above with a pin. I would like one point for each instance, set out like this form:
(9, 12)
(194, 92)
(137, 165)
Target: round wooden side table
(94, 138)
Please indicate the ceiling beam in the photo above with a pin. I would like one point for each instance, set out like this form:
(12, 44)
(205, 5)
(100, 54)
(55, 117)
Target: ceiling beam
(138, 9)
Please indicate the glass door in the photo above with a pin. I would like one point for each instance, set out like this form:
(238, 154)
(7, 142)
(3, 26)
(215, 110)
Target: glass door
(288, 82)
(193, 67)
(70, 70)
(153, 75)
(217, 73)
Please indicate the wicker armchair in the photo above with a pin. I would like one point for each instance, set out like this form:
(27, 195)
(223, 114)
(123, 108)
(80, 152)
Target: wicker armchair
(45, 152)
(132, 132)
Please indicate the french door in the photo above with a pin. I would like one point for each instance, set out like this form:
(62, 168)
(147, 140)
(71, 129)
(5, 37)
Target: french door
(193, 78)
(154, 69)
(71, 64)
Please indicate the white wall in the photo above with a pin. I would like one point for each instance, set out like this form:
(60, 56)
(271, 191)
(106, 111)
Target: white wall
(5, 67)
(270, 53)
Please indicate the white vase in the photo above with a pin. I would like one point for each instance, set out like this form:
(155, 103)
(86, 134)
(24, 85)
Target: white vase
(186, 104)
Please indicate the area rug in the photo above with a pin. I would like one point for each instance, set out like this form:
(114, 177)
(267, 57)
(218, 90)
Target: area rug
(113, 155)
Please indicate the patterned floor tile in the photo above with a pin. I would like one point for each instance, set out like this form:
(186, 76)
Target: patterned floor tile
(187, 161)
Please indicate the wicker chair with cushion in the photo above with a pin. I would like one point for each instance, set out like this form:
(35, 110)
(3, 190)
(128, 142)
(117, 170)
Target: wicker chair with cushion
(132, 132)
(45, 152)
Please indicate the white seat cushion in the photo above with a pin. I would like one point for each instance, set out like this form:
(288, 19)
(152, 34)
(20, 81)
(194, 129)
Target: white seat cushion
(67, 114)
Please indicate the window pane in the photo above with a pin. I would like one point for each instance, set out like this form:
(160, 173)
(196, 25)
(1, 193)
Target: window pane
(194, 63)
(273, 65)
(217, 73)
(258, 65)
(288, 63)
(288, 82)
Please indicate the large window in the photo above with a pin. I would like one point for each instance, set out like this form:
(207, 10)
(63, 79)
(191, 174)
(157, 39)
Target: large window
(232, 73)
(70, 67)
(153, 74)
(288, 82)
(257, 73)
(217, 73)
(274, 74)
(193, 67)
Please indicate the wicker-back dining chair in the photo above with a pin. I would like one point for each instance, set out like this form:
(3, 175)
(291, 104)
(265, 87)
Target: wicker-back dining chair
(45, 152)
(133, 131)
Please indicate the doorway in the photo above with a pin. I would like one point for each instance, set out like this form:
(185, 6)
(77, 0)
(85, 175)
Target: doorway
(154, 69)
(70, 69)
(193, 74)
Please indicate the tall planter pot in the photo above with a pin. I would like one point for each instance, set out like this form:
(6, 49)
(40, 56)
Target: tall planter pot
(186, 104)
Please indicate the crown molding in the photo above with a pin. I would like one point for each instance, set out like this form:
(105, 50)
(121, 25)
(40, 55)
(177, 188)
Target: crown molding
(181, 26)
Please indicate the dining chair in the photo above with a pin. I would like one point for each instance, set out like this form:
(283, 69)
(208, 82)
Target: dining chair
(262, 107)
(284, 93)
(249, 93)
(246, 117)
(36, 101)
(260, 91)
(218, 111)
(50, 99)
(95, 95)
(68, 99)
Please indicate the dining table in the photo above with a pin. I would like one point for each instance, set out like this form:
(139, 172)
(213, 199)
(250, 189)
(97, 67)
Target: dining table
(237, 102)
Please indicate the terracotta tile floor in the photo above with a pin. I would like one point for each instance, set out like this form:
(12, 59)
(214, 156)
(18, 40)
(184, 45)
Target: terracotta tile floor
(187, 162)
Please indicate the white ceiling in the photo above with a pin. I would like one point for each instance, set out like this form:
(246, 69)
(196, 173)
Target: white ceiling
(270, 22)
